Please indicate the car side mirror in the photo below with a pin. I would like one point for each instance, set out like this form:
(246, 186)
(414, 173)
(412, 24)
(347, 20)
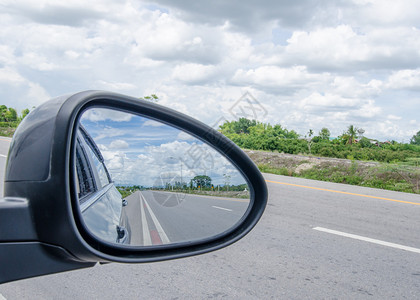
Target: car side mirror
(102, 177)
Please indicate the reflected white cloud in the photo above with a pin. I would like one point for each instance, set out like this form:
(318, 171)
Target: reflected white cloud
(153, 123)
(119, 144)
(97, 115)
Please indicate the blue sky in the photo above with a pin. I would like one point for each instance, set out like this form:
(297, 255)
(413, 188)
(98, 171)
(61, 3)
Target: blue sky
(311, 64)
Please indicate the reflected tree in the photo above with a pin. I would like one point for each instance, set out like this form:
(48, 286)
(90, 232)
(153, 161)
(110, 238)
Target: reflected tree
(202, 181)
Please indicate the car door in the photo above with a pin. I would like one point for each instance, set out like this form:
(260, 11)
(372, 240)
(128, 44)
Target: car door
(100, 202)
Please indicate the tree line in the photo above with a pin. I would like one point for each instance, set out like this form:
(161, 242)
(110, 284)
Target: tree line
(9, 116)
(352, 144)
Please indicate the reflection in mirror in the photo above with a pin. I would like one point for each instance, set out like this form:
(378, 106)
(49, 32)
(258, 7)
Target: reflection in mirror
(141, 182)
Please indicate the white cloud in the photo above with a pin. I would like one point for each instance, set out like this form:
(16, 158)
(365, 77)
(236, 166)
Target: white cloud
(118, 144)
(19, 92)
(277, 79)
(250, 16)
(368, 110)
(10, 76)
(343, 48)
(329, 102)
(194, 73)
(385, 12)
(394, 118)
(350, 87)
(404, 79)
(120, 86)
(164, 37)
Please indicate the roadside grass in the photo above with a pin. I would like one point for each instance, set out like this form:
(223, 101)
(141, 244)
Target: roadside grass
(7, 131)
(401, 177)
(384, 176)
(273, 170)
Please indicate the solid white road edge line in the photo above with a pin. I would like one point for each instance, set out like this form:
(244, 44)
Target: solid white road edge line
(2, 297)
(366, 239)
(161, 232)
(218, 207)
(147, 240)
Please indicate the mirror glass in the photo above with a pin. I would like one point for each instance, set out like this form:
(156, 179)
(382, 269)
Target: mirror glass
(141, 182)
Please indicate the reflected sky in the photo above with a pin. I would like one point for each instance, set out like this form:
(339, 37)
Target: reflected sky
(141, 151)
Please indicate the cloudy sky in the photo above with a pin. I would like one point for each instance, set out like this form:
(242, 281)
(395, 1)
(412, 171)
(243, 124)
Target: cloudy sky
(310, 64)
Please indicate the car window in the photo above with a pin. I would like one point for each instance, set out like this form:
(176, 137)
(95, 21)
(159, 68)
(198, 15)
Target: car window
(84, 175)
(92, 175)
(100, 168)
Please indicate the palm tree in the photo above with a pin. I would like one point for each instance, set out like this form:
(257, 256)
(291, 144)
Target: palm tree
(310, 133)
(350, 135)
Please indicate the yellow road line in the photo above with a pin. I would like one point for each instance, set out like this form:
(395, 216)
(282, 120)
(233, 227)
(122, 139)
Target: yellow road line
(340, 192)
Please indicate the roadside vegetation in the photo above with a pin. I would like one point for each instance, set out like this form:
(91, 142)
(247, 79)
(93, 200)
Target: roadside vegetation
(199, 185)
(9, 120)
(351, 158)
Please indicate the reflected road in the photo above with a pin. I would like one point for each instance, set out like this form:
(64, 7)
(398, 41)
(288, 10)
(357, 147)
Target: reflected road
(158, 217)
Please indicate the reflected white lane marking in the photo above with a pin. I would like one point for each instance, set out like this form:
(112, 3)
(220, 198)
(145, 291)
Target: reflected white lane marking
(218, 207)
(366, 239)
(147, 240)
(5, 156)
(161, 232)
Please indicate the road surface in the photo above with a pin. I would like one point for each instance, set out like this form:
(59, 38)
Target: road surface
(316, 240)
(158, 217)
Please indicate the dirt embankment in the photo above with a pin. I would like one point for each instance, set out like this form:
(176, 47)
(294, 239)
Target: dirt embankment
(397, 177)
(298, 163)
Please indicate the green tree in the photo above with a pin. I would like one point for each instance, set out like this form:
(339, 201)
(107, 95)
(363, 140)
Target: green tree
(243, 125)
(3, 110)
(10, 115)
(202, 181)
(365, 142)
(325, 134)
(151, 98)
(25, 112)
(415, 140)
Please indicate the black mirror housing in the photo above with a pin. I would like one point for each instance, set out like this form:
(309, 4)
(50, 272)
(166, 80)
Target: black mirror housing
(41, 228)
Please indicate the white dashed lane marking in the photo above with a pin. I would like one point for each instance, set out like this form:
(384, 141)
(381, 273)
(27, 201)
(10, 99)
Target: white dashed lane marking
(369, 240)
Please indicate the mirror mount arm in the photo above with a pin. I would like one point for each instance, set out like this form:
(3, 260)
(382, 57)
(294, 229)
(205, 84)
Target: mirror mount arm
(15, 215)
(21, 260)
(21, 255)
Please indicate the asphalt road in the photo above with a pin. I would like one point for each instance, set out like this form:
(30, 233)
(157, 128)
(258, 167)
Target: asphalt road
(316, 240)
(158, 217)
